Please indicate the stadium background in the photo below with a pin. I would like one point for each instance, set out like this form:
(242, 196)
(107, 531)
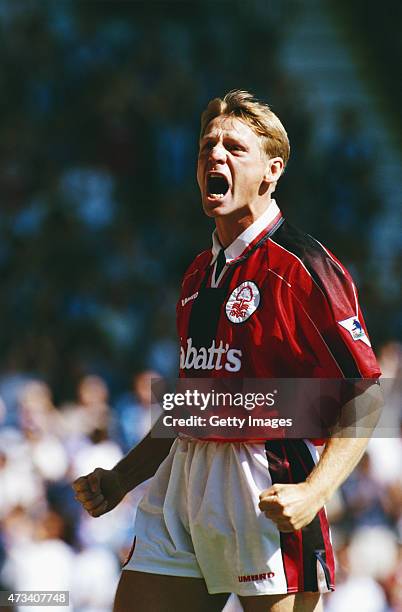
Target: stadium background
(100, 215)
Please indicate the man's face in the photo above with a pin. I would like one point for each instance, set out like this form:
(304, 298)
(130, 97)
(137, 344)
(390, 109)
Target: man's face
(231, 167)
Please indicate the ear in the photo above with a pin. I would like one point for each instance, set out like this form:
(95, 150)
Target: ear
(274, 169)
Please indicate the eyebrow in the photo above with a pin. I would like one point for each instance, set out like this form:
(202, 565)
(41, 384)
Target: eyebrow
(208, 137)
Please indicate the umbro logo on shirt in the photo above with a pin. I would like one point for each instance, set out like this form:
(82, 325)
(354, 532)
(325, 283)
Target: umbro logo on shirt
(188, 299)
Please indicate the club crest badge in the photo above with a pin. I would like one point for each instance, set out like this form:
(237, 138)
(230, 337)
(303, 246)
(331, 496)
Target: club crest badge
(242, 302)
(355, 329)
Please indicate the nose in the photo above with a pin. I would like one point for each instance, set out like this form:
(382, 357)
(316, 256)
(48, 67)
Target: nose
(218, 153)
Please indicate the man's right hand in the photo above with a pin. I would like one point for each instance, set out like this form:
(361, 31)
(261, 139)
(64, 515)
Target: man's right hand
(100, 491)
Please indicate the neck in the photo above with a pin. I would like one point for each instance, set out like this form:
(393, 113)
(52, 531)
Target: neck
(230, 227)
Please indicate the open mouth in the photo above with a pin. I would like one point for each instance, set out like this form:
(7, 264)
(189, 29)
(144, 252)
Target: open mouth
(217, 185)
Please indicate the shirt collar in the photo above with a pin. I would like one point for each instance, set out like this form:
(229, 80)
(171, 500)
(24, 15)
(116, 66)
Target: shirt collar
(238, 246)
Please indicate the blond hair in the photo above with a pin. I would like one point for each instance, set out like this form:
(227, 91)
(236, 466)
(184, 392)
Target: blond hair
(257, 115)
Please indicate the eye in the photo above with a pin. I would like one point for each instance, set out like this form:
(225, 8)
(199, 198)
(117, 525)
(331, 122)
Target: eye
(207, 146)
(234, 146)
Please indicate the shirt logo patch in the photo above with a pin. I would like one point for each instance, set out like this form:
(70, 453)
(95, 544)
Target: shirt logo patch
(355, 329)
(242, 302)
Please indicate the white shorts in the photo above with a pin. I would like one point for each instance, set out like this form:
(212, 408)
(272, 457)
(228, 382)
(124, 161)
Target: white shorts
(200, 518)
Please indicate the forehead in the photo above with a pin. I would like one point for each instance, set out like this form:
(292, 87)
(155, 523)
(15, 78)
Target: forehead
(230, 127)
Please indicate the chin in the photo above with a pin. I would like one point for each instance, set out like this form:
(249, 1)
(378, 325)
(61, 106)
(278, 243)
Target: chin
(217, 211)
(219, 208)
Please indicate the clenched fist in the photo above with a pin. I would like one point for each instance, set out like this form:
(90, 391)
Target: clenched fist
(290, 506)
(100, 491)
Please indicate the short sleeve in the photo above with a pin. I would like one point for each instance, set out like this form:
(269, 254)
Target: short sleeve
(334, 308)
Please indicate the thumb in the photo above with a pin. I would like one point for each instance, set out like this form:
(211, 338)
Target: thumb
(269, 491)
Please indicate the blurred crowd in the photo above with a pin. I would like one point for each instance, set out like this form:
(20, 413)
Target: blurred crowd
(46, 540)
(100, 217)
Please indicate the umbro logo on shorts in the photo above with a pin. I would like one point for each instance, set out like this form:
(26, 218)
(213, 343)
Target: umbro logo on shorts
(256, 577)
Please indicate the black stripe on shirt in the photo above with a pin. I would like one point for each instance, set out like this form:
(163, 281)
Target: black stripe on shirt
(324, 271)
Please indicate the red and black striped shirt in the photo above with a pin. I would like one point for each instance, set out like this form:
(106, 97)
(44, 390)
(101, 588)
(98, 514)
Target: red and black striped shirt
(283, 307)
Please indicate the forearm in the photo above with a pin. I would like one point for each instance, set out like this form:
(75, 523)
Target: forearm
(337, 461)
(341, 454)
(142, 461)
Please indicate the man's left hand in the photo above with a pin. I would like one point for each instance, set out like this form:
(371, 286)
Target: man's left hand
(290, 506)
